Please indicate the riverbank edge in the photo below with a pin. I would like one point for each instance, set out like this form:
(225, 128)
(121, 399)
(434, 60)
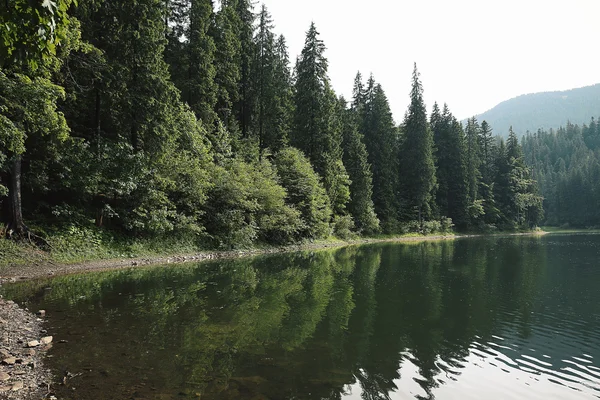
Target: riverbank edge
(22, 272)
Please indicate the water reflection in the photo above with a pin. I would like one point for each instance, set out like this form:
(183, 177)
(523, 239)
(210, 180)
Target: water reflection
(476, 318)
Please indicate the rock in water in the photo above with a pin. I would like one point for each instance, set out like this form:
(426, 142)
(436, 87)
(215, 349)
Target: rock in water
(47, 339)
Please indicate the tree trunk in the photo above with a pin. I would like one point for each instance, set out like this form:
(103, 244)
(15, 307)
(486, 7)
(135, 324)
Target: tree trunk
(16, 226)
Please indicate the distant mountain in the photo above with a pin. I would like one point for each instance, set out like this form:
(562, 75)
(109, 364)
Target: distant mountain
(545, 110)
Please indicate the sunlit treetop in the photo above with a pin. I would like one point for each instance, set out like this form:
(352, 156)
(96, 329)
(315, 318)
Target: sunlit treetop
(30, 30)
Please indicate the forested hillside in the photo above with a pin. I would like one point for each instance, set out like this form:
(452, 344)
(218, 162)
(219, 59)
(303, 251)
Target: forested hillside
(548, 110)
(172, 119)
(566, 163)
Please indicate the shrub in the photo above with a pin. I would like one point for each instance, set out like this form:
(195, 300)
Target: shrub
(343, 226)
(305, 192)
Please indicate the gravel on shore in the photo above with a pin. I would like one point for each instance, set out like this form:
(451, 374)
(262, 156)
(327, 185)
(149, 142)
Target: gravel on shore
(23, 342)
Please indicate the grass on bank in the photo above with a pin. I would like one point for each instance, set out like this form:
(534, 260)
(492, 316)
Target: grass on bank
(79, 244)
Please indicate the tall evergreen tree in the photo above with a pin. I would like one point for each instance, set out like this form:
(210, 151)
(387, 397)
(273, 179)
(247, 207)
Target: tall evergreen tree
(200, 89)
(356, 162)
(473, 158)
(417, 171)
(487, 173)
(450, 154)
(487, 144)
(247, 94)
(381, 139)
(317, 128)
(273, 86)
(225, 33)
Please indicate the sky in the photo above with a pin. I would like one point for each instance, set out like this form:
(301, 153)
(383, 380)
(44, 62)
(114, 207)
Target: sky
(472, 54)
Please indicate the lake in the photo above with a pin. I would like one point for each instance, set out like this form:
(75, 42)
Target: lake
(475, 318)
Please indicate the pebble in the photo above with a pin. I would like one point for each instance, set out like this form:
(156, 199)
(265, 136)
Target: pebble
(46, 340)
(29, 352)
(33, 343)
(4, 376)
(17, 386)
(41, 313)
(9, 361)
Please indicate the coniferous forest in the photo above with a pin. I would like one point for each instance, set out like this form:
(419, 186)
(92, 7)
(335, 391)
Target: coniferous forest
(160, 118)
(566, 163)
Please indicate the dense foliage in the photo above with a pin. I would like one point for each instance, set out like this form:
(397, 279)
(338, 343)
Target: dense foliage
(172, 118)
(566, 163)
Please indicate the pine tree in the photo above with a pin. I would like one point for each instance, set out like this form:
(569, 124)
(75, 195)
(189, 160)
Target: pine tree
(417, 171)
(317, 128)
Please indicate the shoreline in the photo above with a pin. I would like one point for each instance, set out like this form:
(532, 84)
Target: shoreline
(47, 269)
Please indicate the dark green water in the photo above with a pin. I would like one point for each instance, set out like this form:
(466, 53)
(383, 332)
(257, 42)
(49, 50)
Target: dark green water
(495, 318)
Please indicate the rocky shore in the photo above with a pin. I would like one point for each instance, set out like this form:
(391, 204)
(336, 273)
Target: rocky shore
(23, 342)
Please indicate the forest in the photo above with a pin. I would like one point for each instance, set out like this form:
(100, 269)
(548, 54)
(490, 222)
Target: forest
(566, 163)
(174, 118)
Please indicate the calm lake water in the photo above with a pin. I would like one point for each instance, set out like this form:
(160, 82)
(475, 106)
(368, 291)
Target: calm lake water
(491, 318)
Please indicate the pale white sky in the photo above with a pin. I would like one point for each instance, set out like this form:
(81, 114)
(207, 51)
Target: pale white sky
(472, 54)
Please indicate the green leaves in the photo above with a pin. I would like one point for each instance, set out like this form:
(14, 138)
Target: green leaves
(31, 31)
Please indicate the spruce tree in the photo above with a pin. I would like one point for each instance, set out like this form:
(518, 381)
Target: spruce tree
(190, 53)
(450, 154)
(381, 139)
(200, 89)
(356, 162)
(246, 104)
(473, 158)
(273, 86)
(417, 171)
(317, 126)
(487, 173)
(227, 61)
(282, 107)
